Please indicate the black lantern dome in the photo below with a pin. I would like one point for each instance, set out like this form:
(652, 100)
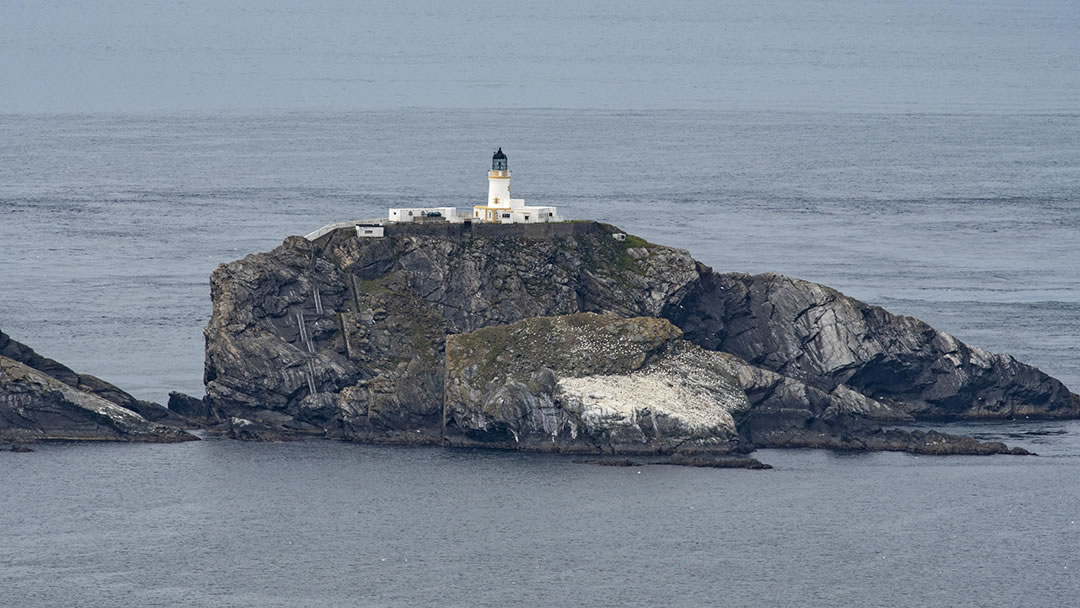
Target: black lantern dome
(498, 161)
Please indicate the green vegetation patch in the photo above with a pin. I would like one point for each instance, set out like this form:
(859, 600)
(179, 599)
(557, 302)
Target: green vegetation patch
(575, 345)
(603, 254)
(375, 287)
(636, 242)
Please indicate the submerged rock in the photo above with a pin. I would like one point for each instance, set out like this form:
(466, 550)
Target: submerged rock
(247, 430)
(589, 383)
(716, 462)
(711, 461)
(821, 436)
(344, 337)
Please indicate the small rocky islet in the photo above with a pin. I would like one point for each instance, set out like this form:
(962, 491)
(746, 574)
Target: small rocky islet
(42, 399)
(576, 337)
(565, 337)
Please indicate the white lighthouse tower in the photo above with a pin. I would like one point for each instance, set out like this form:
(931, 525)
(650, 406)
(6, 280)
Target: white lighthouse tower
(502, 209)
(499, 181)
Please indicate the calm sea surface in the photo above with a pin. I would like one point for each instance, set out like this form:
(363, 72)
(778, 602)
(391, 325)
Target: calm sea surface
(221, 523)
(923, 156)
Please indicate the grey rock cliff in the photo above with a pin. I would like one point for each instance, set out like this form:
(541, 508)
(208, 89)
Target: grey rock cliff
(787, 413)
(344, 337)
(828, 341)
(589, 383)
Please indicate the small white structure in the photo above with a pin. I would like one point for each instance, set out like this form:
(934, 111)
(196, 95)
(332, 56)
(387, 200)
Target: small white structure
(411, 214)
(502, 209)
(369, 230)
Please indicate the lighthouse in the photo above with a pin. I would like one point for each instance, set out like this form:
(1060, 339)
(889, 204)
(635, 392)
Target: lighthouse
(499, 181)
(500, 208)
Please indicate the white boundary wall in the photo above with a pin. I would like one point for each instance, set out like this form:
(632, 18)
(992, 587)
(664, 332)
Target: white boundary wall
(311, 236)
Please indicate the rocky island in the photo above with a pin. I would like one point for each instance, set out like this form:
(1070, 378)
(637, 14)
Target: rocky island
(474, 334)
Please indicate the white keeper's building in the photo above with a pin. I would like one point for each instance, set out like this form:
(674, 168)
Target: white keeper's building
(500, 208)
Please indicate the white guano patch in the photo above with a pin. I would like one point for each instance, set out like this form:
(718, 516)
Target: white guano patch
(604, 398)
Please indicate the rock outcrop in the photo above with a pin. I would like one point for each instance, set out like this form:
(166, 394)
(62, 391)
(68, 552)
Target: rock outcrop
(37, 407)
(344, 337)
(42, 399)
(818, 336)
(589, 383)
(192, 408)
(90, 384)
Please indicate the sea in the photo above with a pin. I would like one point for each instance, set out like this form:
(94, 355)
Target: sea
(922, 156)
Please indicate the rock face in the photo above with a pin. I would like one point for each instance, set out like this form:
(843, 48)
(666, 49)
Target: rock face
(191, 408)
(818, 336)
(41, 399)
(90, 384)
(36, 407)
(589, 383)
(344, 336)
